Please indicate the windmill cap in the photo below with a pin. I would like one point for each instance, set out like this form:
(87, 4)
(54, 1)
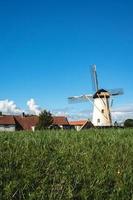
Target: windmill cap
(101, 93)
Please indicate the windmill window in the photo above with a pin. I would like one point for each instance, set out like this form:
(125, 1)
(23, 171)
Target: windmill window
(98, 120)
(102, 111)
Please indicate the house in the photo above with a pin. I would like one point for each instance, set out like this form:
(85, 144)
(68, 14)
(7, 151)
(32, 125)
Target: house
(7, 123)
(29, 122)
(81, 124)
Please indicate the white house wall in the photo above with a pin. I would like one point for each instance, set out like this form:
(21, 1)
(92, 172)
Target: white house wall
(9, 128)
(77, 128)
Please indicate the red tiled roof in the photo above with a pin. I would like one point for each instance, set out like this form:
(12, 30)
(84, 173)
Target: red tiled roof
(78, 123)
(60, 120)
(27, 122)
(7, 120)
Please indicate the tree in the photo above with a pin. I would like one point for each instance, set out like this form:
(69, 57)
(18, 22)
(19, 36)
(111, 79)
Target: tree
(128, 123)
(45, 120)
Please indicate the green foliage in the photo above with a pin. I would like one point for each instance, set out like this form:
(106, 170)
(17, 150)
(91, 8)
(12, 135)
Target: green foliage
(128, 123)
(67, 165)
(45, 120)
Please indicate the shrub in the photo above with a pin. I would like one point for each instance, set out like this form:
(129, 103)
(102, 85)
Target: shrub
(128, 123)
(45, 120)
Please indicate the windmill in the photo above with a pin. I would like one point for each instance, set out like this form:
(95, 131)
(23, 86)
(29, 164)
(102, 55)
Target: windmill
(100, 99)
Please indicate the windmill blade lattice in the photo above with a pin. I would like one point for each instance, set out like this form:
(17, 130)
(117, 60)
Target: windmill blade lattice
(80, 99)
(115, 92)
(94, 78)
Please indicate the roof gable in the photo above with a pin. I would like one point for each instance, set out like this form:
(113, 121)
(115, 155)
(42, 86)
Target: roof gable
(26, 122)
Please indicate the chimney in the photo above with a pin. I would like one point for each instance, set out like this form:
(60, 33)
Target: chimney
(23, 114)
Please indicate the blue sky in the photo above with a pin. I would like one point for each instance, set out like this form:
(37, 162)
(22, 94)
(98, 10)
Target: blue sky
(46, 48)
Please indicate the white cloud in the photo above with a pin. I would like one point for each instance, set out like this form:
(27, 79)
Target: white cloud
(9, 107)
(122, 113)
(119, 114)
(33, 107)
(61, 112)
(72, 113)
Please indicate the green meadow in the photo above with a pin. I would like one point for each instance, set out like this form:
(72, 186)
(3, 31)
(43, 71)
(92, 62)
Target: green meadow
(62, 165)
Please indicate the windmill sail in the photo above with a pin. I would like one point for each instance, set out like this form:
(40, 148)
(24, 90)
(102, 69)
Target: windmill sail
(80, 99)
(115, 92)
(111, 103)
(94, 78)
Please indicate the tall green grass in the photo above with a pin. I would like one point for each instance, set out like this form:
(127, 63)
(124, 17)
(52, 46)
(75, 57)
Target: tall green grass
(92, 164)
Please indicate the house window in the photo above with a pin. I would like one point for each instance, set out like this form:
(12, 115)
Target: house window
(102, 111)
(7, 126)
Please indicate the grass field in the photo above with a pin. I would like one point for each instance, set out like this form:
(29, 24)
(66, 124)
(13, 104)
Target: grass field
(93, 164)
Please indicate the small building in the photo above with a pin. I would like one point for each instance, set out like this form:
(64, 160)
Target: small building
(81, 124)
(60, 122)
(7, 123)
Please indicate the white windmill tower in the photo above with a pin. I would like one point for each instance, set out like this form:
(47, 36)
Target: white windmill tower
(101, 102)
